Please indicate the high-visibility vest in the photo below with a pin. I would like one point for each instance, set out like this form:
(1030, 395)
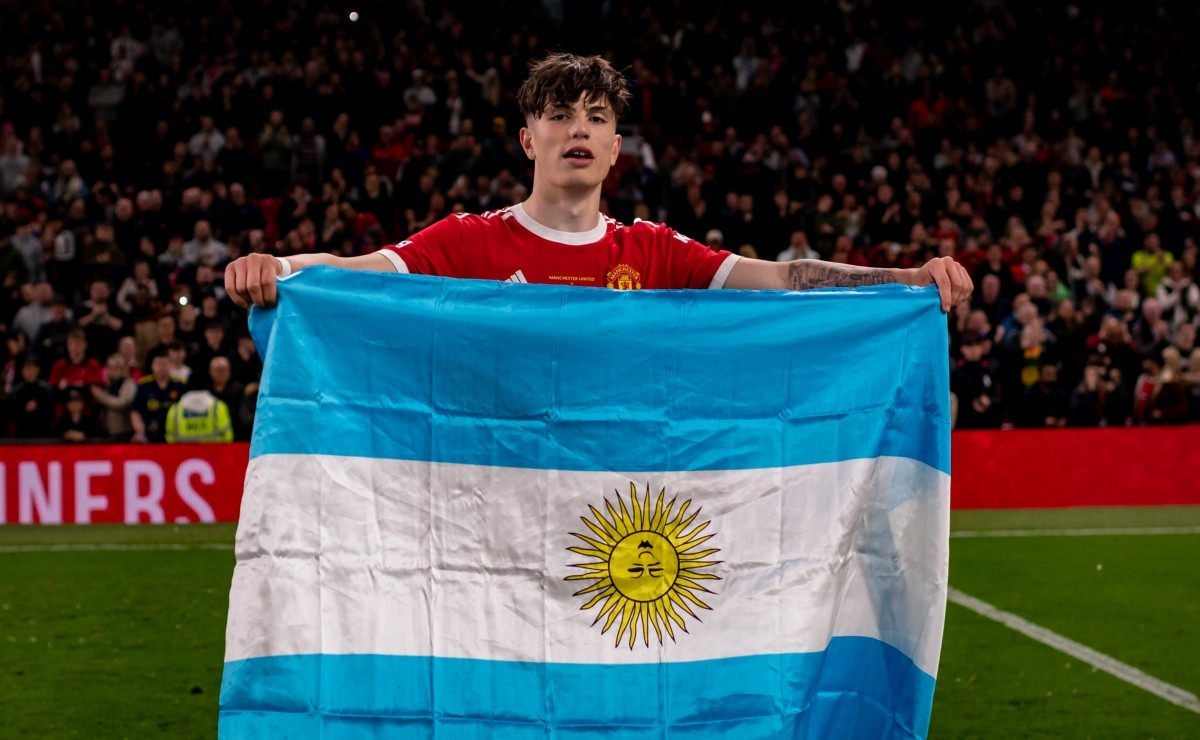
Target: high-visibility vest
(199, 416)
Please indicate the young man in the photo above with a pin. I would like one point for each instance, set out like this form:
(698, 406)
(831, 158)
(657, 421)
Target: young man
(558, 235)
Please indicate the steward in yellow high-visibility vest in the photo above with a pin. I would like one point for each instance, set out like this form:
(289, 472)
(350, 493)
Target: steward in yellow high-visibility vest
(199, 416)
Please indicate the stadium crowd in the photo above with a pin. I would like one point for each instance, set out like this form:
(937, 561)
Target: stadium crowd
(1051, 149)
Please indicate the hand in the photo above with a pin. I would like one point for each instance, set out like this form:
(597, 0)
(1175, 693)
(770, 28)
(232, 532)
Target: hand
(953, 283)
(251, 280)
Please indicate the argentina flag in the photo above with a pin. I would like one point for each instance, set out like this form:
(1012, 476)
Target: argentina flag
(488, 510)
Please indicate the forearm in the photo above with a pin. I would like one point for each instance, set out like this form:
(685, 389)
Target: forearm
(754, 274)
(806, 273)
(374, 262)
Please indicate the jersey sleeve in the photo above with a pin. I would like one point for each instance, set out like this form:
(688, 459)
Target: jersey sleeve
(438, 249)
(694, 265)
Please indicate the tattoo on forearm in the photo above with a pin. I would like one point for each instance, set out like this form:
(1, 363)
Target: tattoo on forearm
(804, 274)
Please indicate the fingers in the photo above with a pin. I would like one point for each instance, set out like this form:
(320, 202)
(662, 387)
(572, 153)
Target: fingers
(941, 277)
(268, 272)
(952, 279)
(963, 285)
(231, 283)
(250, 280)
(254, 283)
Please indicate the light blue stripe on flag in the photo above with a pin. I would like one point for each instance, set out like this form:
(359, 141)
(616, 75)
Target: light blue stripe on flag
(756, 483)
(543, 376)
(761, 696)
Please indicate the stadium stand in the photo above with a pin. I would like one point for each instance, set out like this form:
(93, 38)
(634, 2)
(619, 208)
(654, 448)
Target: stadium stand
(1051, 149)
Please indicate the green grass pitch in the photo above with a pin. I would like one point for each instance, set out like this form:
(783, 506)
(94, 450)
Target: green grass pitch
(128, 643)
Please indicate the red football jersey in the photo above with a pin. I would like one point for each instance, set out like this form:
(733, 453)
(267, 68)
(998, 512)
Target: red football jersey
(509, 245)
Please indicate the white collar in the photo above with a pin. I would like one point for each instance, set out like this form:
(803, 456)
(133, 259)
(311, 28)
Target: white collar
(573, 238)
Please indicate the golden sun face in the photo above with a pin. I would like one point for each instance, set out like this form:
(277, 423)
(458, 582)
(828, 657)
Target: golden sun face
(646, 566)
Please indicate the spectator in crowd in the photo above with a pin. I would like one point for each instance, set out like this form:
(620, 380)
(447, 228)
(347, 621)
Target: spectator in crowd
(976, 386)
(74, 423)
(156, 393)
(77, 370)
(1045, 404)
(247, 367)
(1178, 297)
(14, 357)
(127, 349)
(798, 249)
(1160, 396)
(14, 270)
(176, 355)
(1151, 263)
(102, 257)
(31, 403)
(140, 278)
(29, 246)
(203, 248)
(115, 397)
(199, 416)
(100, 319)
(212, 347)
(50, 342)
(222, 385)
(29, 318)
(1099, 399)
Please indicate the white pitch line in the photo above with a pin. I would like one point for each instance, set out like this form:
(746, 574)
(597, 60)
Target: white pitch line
(114, 547)
(1108, 664)
(1085, 532)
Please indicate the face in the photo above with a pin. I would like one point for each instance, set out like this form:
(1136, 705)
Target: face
(572, 146)
(115, 367)
(218, 370)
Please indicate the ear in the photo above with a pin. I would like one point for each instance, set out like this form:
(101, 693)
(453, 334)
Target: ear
(616, 150)
(527, 142)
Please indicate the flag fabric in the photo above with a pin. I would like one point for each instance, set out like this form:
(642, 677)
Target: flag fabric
(490, 510)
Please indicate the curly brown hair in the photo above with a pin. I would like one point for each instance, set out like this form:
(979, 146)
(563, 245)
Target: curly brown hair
(560, 79)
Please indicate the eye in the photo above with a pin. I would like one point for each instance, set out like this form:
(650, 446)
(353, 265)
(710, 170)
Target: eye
(598, 119)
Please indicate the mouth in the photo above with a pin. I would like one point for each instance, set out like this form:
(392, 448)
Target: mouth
(579, 154)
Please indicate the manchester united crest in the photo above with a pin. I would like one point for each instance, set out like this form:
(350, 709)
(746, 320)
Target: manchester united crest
(624, 277)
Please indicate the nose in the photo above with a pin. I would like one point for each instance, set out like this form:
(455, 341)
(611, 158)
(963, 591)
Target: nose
(579, 126)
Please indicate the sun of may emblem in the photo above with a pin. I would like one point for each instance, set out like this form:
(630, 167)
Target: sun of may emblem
(646, 566)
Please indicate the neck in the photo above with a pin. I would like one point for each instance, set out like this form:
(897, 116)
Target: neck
(565, 210)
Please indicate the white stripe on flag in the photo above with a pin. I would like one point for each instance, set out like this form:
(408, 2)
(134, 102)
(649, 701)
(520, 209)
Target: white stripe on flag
(451, 560)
